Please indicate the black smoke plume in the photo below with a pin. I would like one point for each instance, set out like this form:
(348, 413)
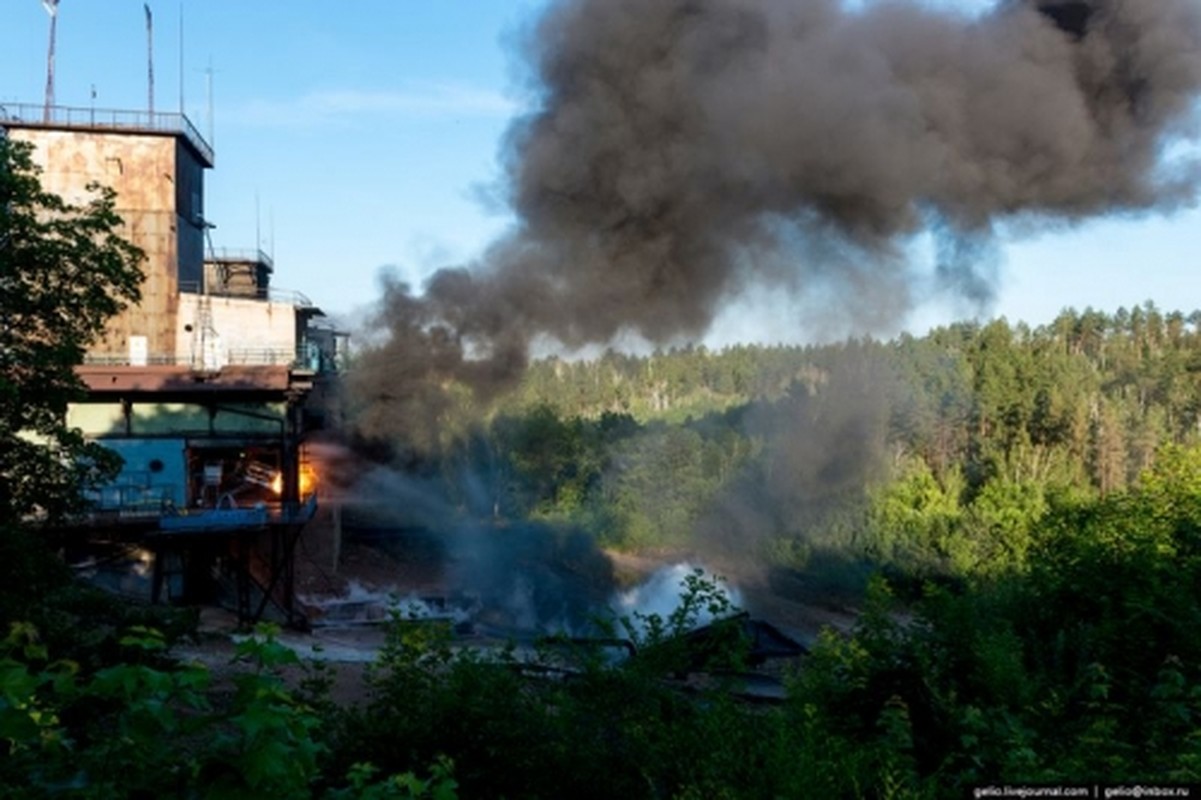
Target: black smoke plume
(678, 150)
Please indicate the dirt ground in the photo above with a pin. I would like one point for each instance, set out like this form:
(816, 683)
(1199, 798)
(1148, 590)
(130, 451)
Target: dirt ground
(343, 656)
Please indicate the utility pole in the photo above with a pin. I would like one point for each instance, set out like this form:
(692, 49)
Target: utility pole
(51, 7)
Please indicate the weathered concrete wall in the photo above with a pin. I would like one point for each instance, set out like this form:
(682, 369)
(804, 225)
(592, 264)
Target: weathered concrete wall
(241, 331)
(160, 189)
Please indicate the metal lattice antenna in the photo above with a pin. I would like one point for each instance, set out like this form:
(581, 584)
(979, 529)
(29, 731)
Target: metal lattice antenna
(51, 7)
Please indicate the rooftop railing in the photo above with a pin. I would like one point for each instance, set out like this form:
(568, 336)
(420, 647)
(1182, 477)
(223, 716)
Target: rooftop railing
(232, 357)
(240, 255)
(289, 297)
(307, 356)
(28, 115)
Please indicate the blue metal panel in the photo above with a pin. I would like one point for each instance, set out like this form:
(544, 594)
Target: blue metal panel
(155, 474)
(215, 519)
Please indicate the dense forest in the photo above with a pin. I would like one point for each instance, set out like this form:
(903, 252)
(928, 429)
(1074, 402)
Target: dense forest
(934, 456)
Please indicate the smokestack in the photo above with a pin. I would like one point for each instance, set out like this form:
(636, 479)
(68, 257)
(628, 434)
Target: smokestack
(679, 150)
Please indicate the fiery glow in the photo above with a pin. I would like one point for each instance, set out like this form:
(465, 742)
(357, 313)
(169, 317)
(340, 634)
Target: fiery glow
(308, 481)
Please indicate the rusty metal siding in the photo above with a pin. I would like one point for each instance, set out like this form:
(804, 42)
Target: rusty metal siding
(143, 170)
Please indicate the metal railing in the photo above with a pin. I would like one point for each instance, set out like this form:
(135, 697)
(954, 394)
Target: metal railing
(261, 356)
(151, 505)
(289, 297)
(28, 115)
(248, 255)
(249, 357)
(131, 500)
(307, 356)
(123, 360)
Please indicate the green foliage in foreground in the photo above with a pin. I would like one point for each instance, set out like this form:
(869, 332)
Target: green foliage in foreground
(1082, 665)
(135, 729)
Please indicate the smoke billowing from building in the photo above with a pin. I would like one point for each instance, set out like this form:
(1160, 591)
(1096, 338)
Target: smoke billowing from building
(679, 149)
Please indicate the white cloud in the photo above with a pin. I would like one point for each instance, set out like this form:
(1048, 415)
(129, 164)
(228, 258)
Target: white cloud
(340, 107)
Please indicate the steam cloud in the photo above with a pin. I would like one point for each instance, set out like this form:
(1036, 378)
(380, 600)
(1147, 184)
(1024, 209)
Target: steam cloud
(680, 149)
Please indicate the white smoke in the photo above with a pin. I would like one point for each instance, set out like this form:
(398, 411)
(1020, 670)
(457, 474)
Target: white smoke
(663, 593)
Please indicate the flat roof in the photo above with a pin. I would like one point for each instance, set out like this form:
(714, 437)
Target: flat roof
(107, 120)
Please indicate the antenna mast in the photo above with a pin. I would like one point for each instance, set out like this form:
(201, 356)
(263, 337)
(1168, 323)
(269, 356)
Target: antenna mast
(208, 82)
(149, 59)
(182, 112)
(51, 7)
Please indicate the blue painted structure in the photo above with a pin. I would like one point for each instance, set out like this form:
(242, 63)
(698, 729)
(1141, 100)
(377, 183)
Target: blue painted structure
(153, 478)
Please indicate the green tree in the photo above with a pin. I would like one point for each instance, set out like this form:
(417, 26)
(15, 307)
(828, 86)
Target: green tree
(658, 487)
(64, 270)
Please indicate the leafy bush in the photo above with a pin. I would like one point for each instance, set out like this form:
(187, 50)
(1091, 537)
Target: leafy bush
(132, 730)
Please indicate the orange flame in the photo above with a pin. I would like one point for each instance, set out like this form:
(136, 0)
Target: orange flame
(308, 481)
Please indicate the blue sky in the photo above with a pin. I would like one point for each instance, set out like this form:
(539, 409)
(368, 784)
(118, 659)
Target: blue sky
(367, 135)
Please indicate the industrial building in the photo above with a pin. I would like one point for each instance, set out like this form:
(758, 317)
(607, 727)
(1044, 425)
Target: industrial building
(209, 386)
